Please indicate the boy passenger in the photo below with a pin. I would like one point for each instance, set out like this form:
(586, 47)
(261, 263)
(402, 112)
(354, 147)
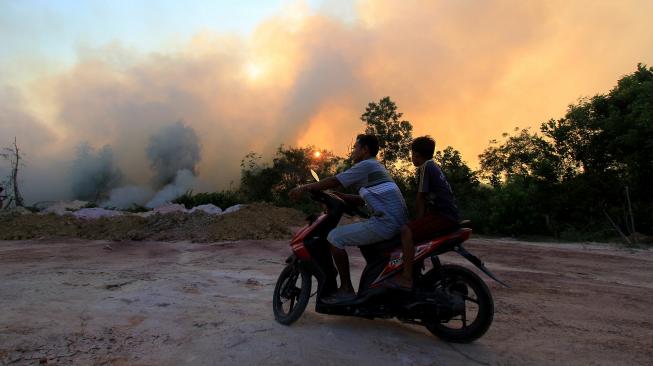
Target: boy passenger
(436, 210)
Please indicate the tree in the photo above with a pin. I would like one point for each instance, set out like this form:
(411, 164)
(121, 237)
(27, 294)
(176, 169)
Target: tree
(524, 171)
(394, 134)
(524, 154)
(460, 176)
(612, 132)
(291, 166)
(587, 174)
(13, 155)
(607, 143)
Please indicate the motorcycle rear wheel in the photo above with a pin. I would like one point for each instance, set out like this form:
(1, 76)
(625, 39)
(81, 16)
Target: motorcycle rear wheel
(467, 286)
(290, 297)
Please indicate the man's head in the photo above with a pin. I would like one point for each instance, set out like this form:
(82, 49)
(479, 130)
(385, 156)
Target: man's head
(422, 149)
(366, 146)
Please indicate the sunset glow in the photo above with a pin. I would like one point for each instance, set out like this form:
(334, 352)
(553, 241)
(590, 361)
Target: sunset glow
(253, 70)
(254, 76)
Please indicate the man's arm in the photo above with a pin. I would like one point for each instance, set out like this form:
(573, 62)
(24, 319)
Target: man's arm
(353, 198)
(324, 184)
(420, 205)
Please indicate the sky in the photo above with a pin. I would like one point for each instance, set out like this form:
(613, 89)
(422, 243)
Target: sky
(251, 75)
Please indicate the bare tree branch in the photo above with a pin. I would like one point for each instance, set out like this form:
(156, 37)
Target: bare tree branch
(617, 227)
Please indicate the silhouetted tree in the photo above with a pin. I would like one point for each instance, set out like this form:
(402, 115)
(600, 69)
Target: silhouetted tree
(13, 155)
(395, 134)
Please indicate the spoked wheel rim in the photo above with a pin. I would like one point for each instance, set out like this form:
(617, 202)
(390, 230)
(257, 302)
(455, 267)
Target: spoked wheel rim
(473, 307)
(467, 305)
(291, 294)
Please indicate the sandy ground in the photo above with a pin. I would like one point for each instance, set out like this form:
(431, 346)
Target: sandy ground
(154, 303)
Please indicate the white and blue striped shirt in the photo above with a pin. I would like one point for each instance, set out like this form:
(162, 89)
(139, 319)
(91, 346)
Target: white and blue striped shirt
(380, 193)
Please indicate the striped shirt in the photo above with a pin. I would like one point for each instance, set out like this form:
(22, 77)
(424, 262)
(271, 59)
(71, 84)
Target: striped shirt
(380, 193)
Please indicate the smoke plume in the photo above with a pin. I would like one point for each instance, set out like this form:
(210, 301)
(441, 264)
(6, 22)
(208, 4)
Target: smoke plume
(94, 174)
(172, 149)
(461, 71)
(127, 197)
(184, 181)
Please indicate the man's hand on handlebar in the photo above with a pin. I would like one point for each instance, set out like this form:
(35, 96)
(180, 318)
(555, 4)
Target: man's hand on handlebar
(328, 183)
(353, 199)
(296, 193)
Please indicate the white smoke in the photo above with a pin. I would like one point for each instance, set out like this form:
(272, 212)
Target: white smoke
(174, 152)
(173, 148)
(126, 197)
(184, 181)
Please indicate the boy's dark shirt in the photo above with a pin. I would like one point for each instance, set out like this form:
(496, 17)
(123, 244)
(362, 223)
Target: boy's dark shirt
(431, 180)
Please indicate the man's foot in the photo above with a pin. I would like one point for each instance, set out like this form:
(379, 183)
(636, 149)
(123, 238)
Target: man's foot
(398, 283)
(339, 297)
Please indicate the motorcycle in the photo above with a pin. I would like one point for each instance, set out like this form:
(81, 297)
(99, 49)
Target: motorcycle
(451, 301)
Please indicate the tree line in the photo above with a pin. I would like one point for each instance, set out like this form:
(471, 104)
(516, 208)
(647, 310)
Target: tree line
(585, 176)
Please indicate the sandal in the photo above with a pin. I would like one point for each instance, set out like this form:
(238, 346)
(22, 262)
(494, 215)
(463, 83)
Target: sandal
(337, 299)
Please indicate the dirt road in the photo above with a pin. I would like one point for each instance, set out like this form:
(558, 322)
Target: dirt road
(153, 303)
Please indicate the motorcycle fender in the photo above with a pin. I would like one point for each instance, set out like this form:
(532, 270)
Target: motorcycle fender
(477, 262)
(291, 259)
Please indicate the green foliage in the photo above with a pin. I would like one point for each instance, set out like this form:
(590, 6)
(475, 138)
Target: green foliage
(394, 134)
(222, 199)
(609, 140)
(522, 155)
(568, 181)
(291, 166)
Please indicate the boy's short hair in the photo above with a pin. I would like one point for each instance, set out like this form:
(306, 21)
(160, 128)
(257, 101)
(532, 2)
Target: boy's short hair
(424, 146)
(369, 141)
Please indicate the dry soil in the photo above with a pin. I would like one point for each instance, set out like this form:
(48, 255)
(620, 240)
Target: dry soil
(159, 303)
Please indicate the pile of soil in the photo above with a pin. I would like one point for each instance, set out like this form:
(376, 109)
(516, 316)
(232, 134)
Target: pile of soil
(254, 221)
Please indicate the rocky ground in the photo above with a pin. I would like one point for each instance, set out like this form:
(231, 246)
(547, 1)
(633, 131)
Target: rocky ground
(84, 302)
(253, 221)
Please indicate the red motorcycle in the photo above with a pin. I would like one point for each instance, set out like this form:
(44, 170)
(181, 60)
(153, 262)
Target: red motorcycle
(451, 301)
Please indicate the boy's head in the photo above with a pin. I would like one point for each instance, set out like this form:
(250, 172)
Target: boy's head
(366, 146)
(422, 149)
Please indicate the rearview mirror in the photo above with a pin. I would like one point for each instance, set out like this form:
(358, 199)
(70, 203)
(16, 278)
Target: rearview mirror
(314, 174)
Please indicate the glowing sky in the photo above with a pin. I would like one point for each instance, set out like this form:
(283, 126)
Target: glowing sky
(250, 75)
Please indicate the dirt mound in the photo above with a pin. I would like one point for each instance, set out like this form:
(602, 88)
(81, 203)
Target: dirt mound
(254, 221)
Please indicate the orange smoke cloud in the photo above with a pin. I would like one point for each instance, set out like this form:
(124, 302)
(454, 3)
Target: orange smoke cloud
(461, 71)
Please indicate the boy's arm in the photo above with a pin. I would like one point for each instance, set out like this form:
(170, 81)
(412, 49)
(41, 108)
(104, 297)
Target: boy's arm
(420, 205)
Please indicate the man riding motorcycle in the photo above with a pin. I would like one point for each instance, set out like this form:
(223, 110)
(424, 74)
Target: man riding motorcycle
(376, 189)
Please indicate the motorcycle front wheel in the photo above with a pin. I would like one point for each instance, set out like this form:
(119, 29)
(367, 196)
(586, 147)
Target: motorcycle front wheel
(474, 309)
(291, 294)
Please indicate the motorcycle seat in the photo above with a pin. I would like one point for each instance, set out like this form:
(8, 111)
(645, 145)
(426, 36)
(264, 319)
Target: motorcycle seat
(381, 246)
(447, 231)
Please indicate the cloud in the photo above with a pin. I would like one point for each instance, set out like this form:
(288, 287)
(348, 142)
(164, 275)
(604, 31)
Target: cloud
(17, 121)
(461, 71)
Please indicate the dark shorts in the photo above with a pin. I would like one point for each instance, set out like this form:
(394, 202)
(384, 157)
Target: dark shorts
(428, 226)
